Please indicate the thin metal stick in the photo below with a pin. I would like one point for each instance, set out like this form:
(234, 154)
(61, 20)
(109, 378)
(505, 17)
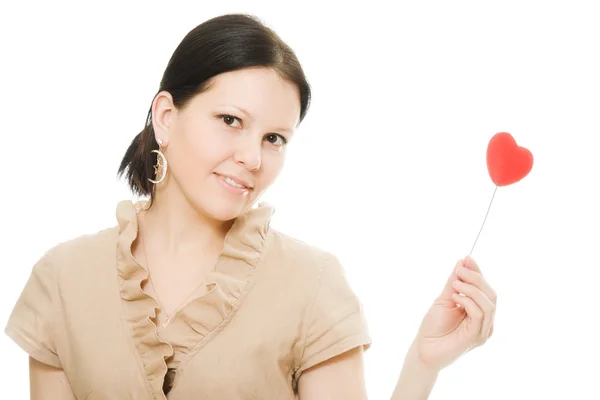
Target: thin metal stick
(486, 214)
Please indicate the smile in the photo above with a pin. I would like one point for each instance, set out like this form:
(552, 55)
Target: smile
(232, 186)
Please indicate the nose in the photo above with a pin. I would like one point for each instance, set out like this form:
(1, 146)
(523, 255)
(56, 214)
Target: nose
(248, 152)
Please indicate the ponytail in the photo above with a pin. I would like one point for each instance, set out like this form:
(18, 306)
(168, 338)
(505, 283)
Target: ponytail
(138, 162)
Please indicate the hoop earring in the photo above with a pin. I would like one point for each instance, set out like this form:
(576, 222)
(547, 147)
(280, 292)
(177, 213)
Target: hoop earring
(160, 169)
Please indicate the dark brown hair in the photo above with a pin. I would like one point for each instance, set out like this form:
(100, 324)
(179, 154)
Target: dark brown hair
(226, 43)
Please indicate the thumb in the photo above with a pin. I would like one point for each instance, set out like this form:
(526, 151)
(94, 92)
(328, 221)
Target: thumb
(448, 288)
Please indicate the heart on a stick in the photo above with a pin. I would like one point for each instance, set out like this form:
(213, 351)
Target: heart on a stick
(507, 162)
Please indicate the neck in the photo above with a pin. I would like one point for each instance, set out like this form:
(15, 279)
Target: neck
(173, 226)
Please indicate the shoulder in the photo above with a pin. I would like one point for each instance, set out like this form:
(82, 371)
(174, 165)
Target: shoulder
(79, 250)
(70, 264)
(85, 244)
(299, 257)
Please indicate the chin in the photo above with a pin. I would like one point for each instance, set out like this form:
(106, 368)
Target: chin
(223, 210)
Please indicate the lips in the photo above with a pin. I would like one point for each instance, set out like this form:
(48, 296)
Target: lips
(237, 180)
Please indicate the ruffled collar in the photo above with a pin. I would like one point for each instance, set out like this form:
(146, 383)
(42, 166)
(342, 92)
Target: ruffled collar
(214, 302)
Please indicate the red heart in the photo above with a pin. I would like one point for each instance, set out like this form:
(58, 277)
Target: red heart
(507, 163)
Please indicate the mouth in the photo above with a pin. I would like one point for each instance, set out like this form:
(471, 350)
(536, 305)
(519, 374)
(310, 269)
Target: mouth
(233, 185)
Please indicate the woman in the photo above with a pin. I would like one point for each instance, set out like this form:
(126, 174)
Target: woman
(192, 295)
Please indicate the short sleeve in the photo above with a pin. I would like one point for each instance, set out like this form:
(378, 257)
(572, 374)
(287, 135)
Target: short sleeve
(337, 323)
(32, 321)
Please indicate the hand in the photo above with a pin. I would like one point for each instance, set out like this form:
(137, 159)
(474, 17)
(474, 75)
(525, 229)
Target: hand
(449, 331)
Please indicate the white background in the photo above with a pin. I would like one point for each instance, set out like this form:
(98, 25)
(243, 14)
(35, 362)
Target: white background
(388, 170)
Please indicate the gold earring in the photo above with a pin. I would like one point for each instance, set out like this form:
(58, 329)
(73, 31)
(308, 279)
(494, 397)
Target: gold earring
(160, 169)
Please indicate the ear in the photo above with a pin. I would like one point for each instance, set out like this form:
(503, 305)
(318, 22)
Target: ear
(163, 111)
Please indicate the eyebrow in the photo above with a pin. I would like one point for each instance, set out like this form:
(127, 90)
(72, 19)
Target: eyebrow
(249, 115)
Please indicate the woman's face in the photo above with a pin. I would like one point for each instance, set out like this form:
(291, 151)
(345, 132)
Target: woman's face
(237, 128)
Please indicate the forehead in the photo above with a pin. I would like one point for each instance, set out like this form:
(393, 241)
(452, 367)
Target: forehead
(261, 91)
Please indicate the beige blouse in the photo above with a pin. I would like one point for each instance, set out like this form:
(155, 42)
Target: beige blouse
(272, 307)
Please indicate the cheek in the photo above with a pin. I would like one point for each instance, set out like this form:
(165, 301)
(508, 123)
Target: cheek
(203, 146)
(272, 165)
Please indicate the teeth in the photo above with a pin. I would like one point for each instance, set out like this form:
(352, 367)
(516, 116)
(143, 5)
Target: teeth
(234, 183)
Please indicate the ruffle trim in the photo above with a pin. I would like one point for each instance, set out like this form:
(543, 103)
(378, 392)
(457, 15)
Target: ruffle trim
(212, 303)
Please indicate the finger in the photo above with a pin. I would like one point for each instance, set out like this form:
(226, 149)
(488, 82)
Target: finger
(483, 303)
(448, 289)
(471, 264)
(474, 313)
(475, 278)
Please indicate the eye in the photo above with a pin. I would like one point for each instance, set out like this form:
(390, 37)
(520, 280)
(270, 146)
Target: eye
(229, 119)
(273, 137)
